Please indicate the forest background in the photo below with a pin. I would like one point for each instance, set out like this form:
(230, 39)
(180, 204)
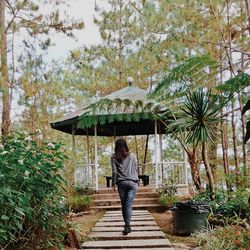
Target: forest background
(144, 40)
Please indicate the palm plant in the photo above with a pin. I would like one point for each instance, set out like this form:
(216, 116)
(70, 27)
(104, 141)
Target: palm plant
(197, 122)
(194, 71)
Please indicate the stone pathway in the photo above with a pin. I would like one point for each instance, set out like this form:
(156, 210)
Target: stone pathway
(146, 234)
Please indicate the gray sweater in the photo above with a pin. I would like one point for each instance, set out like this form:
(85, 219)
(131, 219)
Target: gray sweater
(126, 170)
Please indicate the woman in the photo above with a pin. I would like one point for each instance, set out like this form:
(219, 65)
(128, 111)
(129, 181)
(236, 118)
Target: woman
(124, 175)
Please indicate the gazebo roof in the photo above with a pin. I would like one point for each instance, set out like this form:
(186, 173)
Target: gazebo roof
(127, 111)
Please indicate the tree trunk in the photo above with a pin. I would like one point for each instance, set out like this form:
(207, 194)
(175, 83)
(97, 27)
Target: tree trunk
(213, 159)
(224, 151)
(4, 84)
(194, 163)
(248, 13)
(208, 171)
(244, 150)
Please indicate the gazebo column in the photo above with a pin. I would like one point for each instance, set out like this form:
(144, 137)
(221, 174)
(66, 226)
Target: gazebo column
(96, 163)
(161, 158)
(88, 174)
(185, 167)
(156, 157)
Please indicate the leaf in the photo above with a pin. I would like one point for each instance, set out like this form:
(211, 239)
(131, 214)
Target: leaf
(5, 217)
(246, 107)
(20, 211)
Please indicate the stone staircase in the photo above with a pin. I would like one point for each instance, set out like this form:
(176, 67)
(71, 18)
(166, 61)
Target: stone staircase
(146, 234)
(106, 199)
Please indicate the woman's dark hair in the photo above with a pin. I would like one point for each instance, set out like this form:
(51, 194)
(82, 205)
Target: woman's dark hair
(121, 150)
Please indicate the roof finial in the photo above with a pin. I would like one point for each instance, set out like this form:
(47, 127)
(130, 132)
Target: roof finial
(130, 81)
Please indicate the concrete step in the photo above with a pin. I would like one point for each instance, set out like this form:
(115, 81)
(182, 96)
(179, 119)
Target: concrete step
(119, 214)
(131, 236)
(140, 189)
(135, 212)
(140, 218)
(150, 207)
(139, 248)
(127, 244)
(121, 223)
(141, 201)
(109, 195)
(119, 229)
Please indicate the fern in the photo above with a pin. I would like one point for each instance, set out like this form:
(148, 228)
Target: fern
(185, 76)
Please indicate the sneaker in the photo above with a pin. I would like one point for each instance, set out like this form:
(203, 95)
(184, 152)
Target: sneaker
(127, 229)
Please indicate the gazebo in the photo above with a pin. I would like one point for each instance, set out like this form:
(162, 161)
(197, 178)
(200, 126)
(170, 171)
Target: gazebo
(125, 112)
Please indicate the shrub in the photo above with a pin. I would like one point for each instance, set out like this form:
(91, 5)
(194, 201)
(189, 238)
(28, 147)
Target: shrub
(30, 194)
(168, 194)
(228, 204)
(168, 201)
(228, 237)
(79, 203)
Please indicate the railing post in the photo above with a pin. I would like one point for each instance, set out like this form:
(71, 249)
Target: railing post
(96, 163)
(156, 157)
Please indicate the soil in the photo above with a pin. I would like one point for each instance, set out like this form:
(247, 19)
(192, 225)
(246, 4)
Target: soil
(165, 222)
(83, 225)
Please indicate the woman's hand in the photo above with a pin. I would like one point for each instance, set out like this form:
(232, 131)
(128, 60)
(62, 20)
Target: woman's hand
(114, 189)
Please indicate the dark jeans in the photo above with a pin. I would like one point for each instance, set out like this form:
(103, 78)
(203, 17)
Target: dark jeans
(127, 190)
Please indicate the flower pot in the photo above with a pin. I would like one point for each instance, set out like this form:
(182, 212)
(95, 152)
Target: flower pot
(189, 217)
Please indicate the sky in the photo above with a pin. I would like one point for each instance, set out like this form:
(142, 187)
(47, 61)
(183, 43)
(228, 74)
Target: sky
(77, 9)
(84, 9)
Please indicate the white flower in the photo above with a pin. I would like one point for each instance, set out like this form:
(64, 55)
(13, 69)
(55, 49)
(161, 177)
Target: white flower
(28, 138)
(40, 137)
(27, 173)
(20, 162)
(4, 153)
(38, 131)
(51, 145)
(1, 145)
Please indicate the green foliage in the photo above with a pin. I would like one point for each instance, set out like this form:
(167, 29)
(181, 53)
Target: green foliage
(78, 203)
(84, 190)
(168, 194)
(168, 201)
(228, 204)
(229, 237)
(201, 111)
(31, 192)
(110, 110)
(189, 74)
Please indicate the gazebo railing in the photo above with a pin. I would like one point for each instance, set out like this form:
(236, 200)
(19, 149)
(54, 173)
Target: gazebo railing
(168, 173)
(176, 172)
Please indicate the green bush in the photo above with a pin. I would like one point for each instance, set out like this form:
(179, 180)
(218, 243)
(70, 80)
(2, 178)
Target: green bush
(168, 194)
(78, 203)
(228, 204)
(32, 210)
(167, 200)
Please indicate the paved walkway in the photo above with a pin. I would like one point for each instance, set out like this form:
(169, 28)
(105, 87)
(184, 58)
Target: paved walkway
(146, 234)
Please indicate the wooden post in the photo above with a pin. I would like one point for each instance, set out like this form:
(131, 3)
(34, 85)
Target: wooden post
(161, 162)
(156, 157)
(88, 161)
(96, 166)
(185, 167)
(73, 142)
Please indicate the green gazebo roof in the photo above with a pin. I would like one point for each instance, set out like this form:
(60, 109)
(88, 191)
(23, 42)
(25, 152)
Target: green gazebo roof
(127, 111)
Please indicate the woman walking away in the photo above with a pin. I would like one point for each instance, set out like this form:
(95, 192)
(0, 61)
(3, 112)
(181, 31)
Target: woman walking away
(124, 175)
